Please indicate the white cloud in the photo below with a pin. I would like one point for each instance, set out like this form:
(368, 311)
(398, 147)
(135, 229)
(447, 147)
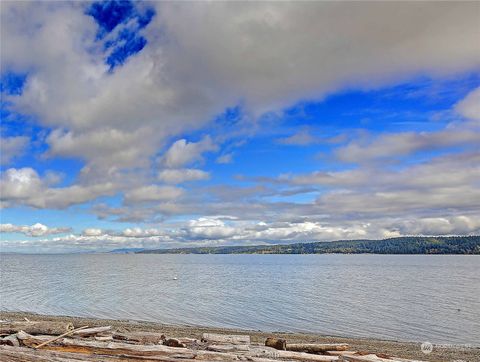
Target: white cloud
(183, 153)
(33, 230)
(176, 176)
(301, 138)
(11, 148)
(469, 107)
(209, 228)
(153, 193)
(273, 55)
(225, 159)
(24, 186)
(397, 145)
(92, 232)
(214, 231)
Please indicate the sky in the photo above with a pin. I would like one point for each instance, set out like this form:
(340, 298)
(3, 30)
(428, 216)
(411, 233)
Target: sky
(169, 124)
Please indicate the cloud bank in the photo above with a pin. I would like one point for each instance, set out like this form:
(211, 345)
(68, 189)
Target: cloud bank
(148, 135)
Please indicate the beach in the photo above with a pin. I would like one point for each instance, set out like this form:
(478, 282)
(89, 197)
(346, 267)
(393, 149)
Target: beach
(403, 349)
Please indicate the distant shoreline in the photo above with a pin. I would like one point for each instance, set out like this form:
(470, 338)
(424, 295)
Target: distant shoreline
(415, 245)
(397, 348)
(408, 245)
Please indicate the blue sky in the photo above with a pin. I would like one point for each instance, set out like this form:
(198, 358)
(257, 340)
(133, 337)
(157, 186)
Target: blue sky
(149, 124)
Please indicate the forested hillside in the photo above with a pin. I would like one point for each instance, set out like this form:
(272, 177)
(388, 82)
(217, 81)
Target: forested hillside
(401, 245)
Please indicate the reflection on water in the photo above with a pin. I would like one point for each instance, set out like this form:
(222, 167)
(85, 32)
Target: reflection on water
(434, 298)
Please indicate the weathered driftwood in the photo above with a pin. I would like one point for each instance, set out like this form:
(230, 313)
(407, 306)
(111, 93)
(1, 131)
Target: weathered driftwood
(340, 353)
(225, 348)
(267, 352)
(24, 354)
(10, 340)
(60, 336)
(88, 332)
(277, 343)
(123, 349)
(372, 358)
(35, 327)
(226, 338)
(316, 347)
(140, 337)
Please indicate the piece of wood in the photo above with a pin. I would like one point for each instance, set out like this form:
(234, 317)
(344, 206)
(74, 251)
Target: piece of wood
(277, 343)
(10, 340)
(123, 349)
(87, 332)
(60, 336)
(226, 338)
(225, 348)
(140, 337)
(25, 354)
(316, 347)
(267, 352)
(35, 327)
(372, 358)
(187, 340)
(340, 353)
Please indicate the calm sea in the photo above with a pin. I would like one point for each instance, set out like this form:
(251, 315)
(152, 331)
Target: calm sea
(419, 298)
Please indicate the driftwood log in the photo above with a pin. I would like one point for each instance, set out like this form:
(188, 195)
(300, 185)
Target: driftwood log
(88, 332)
(225, 348)
(266, 352)
(340, 353)
(226, 338)
(23, 354)
(10, 340)
(35, 327)
(316, 347)
(277, 343)
(371, 358)
(122, 349)
(107, 345)
(58, 337)
(140, 337)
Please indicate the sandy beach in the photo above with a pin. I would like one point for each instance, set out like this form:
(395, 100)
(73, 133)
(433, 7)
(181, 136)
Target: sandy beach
(411, 350)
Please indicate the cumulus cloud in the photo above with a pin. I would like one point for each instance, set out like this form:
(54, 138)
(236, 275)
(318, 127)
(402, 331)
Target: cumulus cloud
(33, 230)
(209, 228)
(12, 147)
(92, 232)
(153, 193)
(469, 107)
(176, 176)
(224, 230)
(25, 186)
(273, 55)
(397, 145)
(182, 153)
(121, 123)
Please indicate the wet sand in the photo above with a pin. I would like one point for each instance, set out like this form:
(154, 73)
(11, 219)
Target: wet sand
(409, 350)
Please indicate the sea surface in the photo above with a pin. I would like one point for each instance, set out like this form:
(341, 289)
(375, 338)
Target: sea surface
(412, 298)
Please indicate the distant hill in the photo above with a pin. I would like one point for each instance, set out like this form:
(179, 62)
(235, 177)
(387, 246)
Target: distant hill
(126, 250)
(401, 245)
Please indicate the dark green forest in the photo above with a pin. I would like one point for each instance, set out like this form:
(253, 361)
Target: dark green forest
(400, 245)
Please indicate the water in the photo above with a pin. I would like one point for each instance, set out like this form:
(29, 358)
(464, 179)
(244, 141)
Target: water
(417, 298)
